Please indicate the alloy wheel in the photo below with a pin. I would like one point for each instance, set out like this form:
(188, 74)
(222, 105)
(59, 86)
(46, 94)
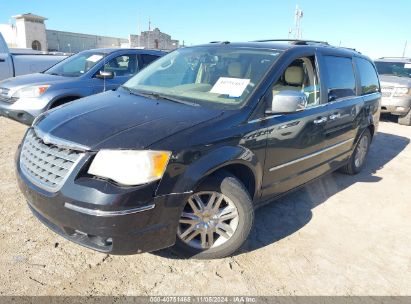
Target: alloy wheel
(209, 219)
(361, 152)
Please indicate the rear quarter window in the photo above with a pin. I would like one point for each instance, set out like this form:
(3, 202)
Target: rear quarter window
(368, 76)
(340, 77)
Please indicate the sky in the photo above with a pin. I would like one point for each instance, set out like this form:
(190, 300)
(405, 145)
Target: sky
(375, 28)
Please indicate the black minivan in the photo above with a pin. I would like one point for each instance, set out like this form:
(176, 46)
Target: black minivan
(183, 153)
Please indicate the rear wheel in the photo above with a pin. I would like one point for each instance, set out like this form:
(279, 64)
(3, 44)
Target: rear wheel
(216, 219)
(357, 159)
(405, 119)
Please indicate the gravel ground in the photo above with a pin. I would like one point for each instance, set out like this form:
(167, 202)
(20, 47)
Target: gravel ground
(341, 235)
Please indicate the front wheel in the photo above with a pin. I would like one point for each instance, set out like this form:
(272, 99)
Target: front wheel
(405, 119)
(216, 219)
(357, 159)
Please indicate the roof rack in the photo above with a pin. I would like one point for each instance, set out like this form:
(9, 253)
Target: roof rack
(295, 41)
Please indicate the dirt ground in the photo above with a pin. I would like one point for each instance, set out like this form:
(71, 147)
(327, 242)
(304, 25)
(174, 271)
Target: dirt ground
(341, 235)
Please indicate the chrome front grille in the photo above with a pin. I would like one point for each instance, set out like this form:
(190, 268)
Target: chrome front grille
(387, 91)
(4, 96)
(8, 99)
(46, 165)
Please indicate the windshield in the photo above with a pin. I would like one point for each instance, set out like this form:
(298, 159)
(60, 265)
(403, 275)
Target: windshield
(214, 76)
(76, 65)
(394, 68)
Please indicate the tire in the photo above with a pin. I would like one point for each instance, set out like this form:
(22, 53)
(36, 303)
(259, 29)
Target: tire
(353, 166)
(405, 119)
(233, 196)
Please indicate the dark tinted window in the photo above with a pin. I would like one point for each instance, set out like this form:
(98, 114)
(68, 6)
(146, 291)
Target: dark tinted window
(341, 79)
(368, 76)
(147, 59)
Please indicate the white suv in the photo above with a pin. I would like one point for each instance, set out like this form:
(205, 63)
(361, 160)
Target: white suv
(395, 76)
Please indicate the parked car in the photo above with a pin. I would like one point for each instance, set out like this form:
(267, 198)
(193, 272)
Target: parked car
(395, 75)
(185, 151)
(89, 72)
(19, 62)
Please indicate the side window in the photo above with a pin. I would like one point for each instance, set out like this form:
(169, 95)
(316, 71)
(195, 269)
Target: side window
(301, 75)
(368, 76)
(147, 59)
(340, 76)
(124, 65)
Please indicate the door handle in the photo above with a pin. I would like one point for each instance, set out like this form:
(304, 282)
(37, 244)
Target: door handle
(335, 116)
(320, 120)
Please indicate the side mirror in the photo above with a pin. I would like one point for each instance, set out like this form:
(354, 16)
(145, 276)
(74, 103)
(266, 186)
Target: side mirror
(287, 102)
(332, 96)
(105, 75)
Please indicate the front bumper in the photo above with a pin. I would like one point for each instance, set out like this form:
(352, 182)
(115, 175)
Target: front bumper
(396, 105)
(108, 218)
(24, 110)
(17, 115)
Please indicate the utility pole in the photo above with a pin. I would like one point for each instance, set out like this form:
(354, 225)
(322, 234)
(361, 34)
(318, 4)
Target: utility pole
(405, 48)
(139, 30)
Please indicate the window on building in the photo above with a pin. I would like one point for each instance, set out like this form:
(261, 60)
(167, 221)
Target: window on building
(156, 44)
(368, 75)
(36, 45)
(340, 77)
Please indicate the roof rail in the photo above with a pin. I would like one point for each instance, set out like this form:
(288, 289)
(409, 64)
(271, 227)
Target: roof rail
(222, 42)
(295, 41)
(394, 57)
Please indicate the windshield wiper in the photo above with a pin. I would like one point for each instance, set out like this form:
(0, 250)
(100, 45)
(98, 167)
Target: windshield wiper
(158, 96)
(127, 89)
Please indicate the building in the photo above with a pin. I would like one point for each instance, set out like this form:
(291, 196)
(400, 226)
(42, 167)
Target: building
(153, 39)
(29, 31)
(76, 42)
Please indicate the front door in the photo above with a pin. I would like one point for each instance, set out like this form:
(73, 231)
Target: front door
(123, 68)
(295, 141)
(5, 66)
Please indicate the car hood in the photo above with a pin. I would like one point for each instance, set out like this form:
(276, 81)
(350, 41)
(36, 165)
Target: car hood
(396, 81)
(32, 79)
(119, 120)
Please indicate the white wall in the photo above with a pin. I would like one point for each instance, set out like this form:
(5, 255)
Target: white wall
(28, 31)
(9, 33)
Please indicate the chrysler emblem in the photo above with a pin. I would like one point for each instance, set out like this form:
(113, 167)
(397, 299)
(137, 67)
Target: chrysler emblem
(46, 139)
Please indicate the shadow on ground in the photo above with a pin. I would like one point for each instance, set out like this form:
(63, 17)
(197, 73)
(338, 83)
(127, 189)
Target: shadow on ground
(290, 213)
(387, 117)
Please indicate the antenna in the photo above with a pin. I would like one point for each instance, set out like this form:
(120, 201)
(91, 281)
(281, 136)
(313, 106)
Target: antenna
(405, 48)
(139, 30)
(297, 30)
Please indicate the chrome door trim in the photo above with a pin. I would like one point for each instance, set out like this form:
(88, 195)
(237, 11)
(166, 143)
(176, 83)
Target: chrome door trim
(312, 155)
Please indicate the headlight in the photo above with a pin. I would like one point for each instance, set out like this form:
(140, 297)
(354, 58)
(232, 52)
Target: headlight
(399, 92)
(31, 92)
(129, 167)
